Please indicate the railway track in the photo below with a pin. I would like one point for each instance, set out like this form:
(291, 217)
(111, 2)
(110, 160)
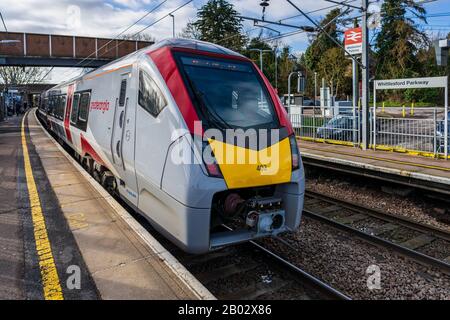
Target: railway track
(247, 271)
(251, 271)
(425, 244)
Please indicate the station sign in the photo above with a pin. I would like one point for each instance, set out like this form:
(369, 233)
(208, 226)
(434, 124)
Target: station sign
(353, 41)
(412, 83)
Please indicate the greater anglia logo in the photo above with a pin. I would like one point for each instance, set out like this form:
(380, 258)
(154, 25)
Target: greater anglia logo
(100, 105)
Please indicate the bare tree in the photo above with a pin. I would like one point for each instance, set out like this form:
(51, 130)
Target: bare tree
(22, 75)
(138, 37)
(191, 31)
(19, 76)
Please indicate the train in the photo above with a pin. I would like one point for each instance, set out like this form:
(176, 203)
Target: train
(189, 134)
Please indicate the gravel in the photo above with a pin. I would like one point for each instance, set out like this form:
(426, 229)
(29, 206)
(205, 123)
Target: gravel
(368, 193)
(342, 261)
(438, 249)
(261, 276)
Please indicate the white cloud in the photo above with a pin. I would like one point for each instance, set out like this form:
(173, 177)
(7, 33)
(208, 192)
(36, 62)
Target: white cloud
(108, 18)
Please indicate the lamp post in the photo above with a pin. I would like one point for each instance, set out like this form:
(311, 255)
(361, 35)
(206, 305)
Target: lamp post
(173, 25)
(299, 74)
(276, 67)
(261, 52)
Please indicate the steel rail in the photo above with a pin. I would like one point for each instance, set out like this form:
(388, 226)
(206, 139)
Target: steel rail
(316, 282)
(410, 253)
(382, 215)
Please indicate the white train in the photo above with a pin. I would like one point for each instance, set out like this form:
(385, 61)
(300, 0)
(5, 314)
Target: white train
(144, 125)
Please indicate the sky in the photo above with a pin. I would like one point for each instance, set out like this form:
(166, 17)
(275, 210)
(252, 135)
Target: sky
(110, 17)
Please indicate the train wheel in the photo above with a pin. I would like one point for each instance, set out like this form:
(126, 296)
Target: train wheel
(108, 181)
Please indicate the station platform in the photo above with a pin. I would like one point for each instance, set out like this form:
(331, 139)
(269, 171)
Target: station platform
(414, 171)
(62, 236)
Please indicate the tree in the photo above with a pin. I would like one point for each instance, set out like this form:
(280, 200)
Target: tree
(15, 76)
(190, 31)
(399, 40)
(321, 43)
(21, 75)
(287, 63)
(218, 22)
(326, 58)
(336, 68)
(138, 37)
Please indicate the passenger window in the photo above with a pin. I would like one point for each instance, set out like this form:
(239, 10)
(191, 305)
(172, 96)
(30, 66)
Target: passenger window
(75, 108)
(63, 106)
(57, 106)
(123, 91)
(60, 107)
(84, 106)
(150, 96)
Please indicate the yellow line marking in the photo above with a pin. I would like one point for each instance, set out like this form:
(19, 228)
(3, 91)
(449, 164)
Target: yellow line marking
(382, 159)
(50, 280)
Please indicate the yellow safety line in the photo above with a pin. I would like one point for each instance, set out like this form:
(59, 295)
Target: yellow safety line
(50, 280)
(384, 159)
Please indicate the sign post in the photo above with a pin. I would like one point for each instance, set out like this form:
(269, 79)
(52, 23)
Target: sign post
(365, 77)
(353, 45)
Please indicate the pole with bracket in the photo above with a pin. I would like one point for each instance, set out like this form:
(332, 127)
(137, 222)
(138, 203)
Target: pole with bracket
(365, 77)
(446, 121)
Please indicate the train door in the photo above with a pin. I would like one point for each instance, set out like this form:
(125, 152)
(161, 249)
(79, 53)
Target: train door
(122, 141)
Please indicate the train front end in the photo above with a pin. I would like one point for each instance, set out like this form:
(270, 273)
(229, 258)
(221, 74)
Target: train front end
(240, 157)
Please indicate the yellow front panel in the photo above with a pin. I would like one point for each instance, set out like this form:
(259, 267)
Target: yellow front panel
(243, 167)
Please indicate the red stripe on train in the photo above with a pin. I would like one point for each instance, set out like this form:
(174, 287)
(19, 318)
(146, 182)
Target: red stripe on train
(86, 148)
(68, 111)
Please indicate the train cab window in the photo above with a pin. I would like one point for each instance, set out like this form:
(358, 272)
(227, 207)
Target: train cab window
(150, 96)
(84, 106)
(240, 100)
(75, 108)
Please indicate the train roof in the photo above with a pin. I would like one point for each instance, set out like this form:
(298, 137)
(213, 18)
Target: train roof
(193, 44)
(171, 42)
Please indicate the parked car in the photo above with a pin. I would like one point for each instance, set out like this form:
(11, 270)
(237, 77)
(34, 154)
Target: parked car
(342, 127)
(339, 127)
(440, 134)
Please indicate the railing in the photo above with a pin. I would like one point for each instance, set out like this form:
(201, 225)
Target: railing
(422, 134)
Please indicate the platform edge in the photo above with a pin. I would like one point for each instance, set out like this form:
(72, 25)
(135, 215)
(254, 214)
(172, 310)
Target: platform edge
(169, 260)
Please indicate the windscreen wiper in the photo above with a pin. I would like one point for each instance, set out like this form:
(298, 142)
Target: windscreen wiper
(214, 117)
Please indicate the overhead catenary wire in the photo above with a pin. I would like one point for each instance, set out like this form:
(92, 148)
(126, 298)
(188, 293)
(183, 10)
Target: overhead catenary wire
(121, 33)
(287, 18)
(148, 26)
(288, 34)
(3, 21)
(155, 22)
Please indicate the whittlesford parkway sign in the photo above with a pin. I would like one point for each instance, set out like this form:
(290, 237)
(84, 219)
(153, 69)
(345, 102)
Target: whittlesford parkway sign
(413, 83)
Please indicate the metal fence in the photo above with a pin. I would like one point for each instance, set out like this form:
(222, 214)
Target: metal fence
(422, 133)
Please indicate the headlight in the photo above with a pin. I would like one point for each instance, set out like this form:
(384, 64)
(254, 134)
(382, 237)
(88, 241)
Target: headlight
(212, 167)
(295, 154)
